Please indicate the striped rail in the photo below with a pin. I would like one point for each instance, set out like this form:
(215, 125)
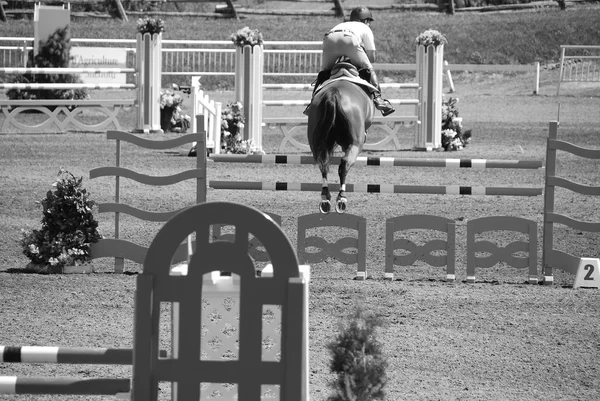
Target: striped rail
(65, 355)
(383, 161)
(63, 385)
(377, 188)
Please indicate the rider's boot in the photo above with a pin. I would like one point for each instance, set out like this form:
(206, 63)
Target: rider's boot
(381, 104)
(321, 77)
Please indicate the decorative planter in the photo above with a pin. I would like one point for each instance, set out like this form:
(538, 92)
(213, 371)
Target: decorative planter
(166, 115)
(46, 269)
(430, 69)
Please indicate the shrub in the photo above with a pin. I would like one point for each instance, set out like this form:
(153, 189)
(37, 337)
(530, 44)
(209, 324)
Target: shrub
(68, 226)
(52, 53)
(357, 359)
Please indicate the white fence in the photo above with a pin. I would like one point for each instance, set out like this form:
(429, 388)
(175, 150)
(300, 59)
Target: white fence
(579, 64)
(217, 58)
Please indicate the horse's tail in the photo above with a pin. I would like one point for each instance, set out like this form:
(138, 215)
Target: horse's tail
(329, 127)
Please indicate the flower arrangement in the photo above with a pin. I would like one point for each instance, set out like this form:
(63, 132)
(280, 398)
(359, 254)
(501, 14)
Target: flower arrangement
(170, 99)
(453, 137)
(232, 121)
(172, 119)
(68, 227)
(247, 36)
(431, 37)
(150, 25)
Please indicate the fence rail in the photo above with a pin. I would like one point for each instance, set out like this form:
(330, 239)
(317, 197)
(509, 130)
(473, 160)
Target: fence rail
(581, 65)
(299, 59)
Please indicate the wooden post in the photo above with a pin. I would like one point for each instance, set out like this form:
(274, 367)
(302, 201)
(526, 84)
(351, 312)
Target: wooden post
(230, 5)
(121, 10)
(339, 10)
(2, 13)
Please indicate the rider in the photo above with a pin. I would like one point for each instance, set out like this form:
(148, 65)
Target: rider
(353, 39)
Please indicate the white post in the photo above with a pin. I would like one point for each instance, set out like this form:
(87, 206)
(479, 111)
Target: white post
(149, 74)
(249, 64)
(430, 70)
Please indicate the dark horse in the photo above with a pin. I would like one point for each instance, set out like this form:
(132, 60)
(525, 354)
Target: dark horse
(340, 113)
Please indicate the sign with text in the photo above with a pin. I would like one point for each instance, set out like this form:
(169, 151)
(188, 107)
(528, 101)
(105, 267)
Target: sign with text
(99, 57)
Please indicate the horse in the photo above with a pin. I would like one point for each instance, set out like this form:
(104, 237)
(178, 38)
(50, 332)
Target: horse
(340, 114)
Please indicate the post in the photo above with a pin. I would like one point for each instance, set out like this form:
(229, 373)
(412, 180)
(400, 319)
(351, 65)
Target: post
(149, 74)
(430, 69)
(249, 65)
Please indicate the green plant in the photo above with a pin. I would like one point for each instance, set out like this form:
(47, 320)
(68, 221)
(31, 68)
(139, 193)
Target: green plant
(453, 137)
(247, 36)
(68, 226)
(150, 25)
(52, 53)
(431, 37)
(232, 121)
(357, 359)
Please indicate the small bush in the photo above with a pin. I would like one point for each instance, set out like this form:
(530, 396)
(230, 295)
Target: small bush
(68, 227)
(357, 359)
(52, 53)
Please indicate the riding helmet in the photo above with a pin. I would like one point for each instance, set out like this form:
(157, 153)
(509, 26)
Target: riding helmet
(360, 14)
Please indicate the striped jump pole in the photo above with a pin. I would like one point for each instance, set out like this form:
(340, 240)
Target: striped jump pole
(63, 385)
(382, 161)
(65, 355)
(377, 188)
(40, 86)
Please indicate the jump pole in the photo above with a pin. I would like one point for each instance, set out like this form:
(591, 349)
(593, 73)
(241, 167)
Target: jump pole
(382, 161)
(377, 188)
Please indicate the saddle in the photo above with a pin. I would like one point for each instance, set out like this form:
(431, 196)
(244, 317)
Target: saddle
(345, 70)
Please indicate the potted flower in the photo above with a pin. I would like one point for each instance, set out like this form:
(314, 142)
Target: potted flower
(150, 25)
(431, 37)
(170, 104)
(68, 228)
(247, 37)
(453, 137)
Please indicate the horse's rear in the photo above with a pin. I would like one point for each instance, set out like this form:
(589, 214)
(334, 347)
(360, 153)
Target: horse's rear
(340, 114)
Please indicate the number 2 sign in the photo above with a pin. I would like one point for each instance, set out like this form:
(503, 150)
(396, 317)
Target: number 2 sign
(588, 273)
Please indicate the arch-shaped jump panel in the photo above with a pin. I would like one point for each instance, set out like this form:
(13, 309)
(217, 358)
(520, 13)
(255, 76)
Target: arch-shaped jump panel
(423, 252)
(505, 254)
(334, 250)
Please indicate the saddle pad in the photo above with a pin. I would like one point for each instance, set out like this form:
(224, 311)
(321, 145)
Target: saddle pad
(342, 77)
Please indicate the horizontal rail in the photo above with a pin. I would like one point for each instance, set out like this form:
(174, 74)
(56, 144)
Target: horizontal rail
(306, 102)
(310, 86)
(65, 70)
(67, 355)
(41, 86)
(382, 161)
(69, 102)
(62, 385)
(377, 188)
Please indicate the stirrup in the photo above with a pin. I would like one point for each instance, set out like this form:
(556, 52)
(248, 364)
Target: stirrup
(384, 106)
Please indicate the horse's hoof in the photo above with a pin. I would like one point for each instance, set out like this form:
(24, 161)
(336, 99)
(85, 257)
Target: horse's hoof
(325, 207)
(341, 205)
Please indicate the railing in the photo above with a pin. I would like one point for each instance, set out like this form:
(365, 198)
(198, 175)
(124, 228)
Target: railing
(581, 67)
(299, 59)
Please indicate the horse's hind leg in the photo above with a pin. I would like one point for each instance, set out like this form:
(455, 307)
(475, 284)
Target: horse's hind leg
(325, 205)
(347, 161)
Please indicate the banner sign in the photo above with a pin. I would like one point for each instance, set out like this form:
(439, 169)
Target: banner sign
(99, 57)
